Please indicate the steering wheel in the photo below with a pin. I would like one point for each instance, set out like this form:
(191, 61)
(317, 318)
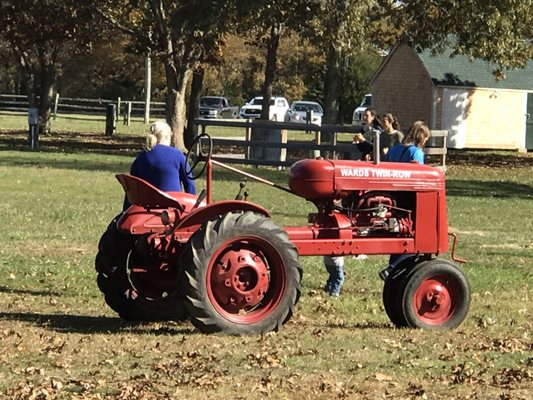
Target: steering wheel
(193, 159)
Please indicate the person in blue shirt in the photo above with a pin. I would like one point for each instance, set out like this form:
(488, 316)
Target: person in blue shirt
(410, 150)
(161, 164)
(412, 146)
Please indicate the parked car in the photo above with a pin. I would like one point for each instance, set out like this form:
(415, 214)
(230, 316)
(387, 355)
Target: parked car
(216, 107)
(357, 118)
(299, 109)
(277, 110)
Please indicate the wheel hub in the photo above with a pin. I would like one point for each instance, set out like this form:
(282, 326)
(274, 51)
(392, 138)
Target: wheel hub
(433, 301)
(240, 279)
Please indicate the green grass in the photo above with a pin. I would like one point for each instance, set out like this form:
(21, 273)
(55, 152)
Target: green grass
(58, 336)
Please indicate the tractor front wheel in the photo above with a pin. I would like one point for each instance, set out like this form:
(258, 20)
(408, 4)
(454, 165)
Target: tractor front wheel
(436, 296)
(243, 275)
(134, 289)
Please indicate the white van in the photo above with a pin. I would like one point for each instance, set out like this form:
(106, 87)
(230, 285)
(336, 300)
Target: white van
(357, 117)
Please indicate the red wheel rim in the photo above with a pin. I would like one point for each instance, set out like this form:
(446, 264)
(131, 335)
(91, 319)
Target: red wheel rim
(436, 299)
(246, 280)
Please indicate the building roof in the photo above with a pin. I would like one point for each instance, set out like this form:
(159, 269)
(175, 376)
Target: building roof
(460, 71)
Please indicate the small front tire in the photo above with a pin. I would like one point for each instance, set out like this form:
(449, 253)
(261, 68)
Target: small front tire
(436, 296)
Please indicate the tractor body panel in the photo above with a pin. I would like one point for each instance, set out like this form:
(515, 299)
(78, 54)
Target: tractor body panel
(372, 200)
(333, 179)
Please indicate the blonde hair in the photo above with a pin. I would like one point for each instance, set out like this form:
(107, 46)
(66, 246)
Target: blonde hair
(159, 132)
(417, 134)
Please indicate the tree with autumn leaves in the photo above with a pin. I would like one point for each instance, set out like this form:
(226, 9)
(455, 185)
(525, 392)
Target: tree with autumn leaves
(42, 35)
(184, 35)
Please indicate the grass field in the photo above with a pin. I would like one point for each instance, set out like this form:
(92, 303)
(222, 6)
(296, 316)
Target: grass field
(59, 340)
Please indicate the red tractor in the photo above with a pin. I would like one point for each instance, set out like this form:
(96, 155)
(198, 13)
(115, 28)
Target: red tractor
(229, 268)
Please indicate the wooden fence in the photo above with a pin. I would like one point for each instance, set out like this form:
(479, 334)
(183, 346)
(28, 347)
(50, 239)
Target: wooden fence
(265, 142)
(70, 105)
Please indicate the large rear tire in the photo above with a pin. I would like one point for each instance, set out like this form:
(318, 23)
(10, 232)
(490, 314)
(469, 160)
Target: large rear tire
(436, 296)
(243, 275)
(136, 293)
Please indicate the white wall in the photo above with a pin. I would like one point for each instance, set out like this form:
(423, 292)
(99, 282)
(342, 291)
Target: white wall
(484, 118)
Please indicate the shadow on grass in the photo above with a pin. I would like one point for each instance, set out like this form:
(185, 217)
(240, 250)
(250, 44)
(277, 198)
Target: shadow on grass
(361, 325)
(4, 289)
(89, 325)
(473, 188)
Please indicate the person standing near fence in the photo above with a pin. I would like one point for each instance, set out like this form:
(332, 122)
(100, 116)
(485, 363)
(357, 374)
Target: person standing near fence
(161, 164)
(390, 135)
(363, 139)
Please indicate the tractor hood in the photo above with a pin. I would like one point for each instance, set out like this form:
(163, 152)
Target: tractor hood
(327, 179)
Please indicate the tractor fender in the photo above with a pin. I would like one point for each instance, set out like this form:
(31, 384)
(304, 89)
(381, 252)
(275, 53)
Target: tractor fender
(211, 211)
(138, 220)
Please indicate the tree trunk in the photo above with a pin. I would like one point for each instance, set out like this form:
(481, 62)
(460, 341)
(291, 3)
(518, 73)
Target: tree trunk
(175, 104)
(270, 70)
(46, 93)
(194, 105)
(332, 90)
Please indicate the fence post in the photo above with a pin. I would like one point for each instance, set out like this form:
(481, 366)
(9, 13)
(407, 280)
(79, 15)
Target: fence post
(283, 152)
(127, 113)
(118, 107)
(308, 118)
(110, 121)
(56, 102)
(248, 138)
(316, 153)
(33, 122)
(334, 143)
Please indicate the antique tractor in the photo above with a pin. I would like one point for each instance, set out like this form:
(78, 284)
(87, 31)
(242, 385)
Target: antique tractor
(229, 268)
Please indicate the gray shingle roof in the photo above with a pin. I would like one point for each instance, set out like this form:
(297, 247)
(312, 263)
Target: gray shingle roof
(460, 71)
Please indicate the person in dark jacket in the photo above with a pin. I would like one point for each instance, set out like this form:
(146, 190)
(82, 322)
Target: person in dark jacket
(161, 164)
(363, 139)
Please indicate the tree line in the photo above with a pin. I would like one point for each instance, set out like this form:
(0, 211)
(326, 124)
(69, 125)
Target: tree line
(324, 50)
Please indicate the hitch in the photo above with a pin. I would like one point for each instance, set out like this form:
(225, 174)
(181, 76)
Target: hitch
(454, 243)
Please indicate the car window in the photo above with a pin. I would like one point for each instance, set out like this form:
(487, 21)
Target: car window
(367, 102)
(303, 107)
(210, 101)
(256, 101)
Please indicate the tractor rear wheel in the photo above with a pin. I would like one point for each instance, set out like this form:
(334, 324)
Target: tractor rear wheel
(436, 296)
(135, 292)
(243, 275)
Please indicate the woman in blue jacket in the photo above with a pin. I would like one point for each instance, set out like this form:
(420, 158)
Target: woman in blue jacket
(161, 164)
